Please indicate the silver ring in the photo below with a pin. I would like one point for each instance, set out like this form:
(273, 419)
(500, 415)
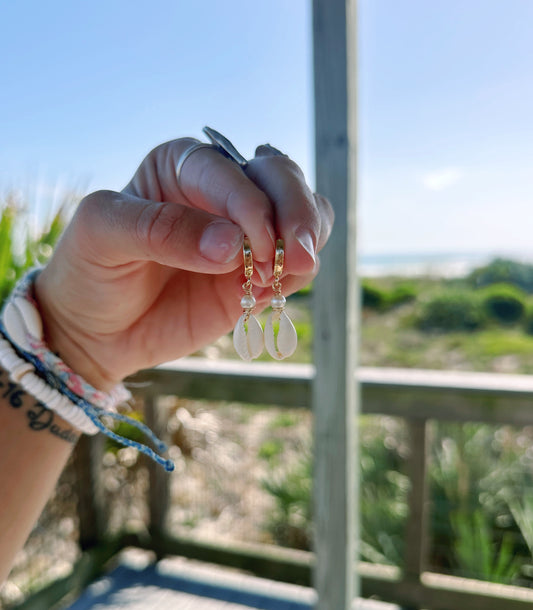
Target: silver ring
(187, 153)
(225, 147)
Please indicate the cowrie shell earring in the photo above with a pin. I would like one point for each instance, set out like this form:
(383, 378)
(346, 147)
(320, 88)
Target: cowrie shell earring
(248, 334)
(280, 335)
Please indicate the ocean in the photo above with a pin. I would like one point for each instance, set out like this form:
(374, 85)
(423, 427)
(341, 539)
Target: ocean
(434, 264)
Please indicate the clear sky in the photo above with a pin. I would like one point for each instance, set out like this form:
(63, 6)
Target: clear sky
(445, 108)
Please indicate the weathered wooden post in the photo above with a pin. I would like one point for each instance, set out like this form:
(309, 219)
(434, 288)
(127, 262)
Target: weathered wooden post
(335, 393)
(159, 489)
(92, 510)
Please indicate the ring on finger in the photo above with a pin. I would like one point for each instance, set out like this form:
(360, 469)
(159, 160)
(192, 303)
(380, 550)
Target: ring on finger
(225, 147)
(187, 153)
(275, 151)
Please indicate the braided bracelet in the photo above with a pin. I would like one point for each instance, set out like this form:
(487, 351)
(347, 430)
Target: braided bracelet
(29, 362)
(22, 372)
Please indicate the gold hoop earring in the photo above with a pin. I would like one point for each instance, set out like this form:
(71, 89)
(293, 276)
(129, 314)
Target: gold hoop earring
(280, 335)
(248, 335)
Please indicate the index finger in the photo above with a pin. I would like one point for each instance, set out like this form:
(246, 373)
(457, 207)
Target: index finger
(210, 182)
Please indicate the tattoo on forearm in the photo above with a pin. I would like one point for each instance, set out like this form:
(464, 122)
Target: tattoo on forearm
(39, 417)
(13, 392)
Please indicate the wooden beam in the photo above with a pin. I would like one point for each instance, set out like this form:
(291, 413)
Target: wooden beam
(408, 393)
(336, 301)
(276, 563)
(230, 381)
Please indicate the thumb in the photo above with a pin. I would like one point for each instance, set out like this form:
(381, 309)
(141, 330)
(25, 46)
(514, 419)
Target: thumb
(117, 228)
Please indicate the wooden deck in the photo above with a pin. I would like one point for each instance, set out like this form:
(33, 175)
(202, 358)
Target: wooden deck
(181, 584)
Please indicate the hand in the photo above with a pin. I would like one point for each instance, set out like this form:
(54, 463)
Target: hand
(154, 272)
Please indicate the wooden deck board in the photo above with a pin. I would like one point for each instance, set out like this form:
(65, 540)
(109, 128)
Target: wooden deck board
(180, 584)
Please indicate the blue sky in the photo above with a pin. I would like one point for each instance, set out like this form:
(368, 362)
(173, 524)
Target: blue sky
(445, 108)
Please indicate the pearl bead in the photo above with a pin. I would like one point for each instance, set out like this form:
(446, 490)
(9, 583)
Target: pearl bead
(278, 302)
(248, 301)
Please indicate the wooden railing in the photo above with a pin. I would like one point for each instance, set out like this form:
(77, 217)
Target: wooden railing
(417, 396)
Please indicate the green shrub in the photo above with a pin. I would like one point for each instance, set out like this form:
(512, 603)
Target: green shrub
(290, 486)
(375, 297)
(270, 450)
(528, 320)
(506, 271)
(384, 489)
(402, 293)
(372, 297)
(477, 475)
(476, 552)
(383, 494)
(480, 520)
(451, 310)
(504, 303)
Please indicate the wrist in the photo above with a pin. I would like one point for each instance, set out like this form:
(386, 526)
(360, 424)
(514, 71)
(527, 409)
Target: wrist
(64, 341)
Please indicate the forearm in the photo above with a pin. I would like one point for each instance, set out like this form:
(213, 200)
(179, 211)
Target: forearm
(35, 444)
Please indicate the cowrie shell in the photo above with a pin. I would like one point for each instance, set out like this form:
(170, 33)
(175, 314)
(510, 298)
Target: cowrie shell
(285, 343)
(31, 317)
(248, 345)
(14, 325)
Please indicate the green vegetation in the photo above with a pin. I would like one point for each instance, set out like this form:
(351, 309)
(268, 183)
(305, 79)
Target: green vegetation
(290, 521)
(454, 324)
(21, 248)
(476, 552)
(382, 298)
(481, 517)
(451, 310)
(284, 420)
(270, 450)
(503, 271)
(504, 303)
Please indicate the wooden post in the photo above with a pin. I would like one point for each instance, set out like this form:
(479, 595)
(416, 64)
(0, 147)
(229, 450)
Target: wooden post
(416, 530)
(336, 296)
(159, 488)
(92, 512)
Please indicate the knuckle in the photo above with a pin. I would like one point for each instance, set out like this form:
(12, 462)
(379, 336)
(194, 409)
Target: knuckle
(94, 217)
(164, 157)
(157, 224)
(162, 150)
(97, 206)
(99, 198)
(293, 167)
(240, 199)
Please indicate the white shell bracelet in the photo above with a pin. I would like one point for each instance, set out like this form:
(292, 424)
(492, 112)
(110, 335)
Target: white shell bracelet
(23, 373)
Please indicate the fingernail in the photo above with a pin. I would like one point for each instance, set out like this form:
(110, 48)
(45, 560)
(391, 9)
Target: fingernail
(305, 239)
(221, 241)
(271, 233)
